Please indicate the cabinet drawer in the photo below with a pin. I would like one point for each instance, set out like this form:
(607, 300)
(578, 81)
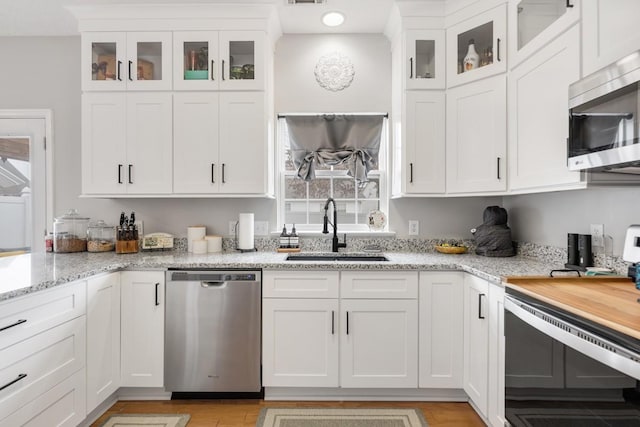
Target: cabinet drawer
(27, 316)
(379, 284)
(300, 284)
(62, 406)
(37, 364)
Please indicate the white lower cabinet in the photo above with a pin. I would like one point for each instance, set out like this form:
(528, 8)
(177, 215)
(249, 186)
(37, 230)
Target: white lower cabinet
(103, 338)
(441, 336)
(142, 341)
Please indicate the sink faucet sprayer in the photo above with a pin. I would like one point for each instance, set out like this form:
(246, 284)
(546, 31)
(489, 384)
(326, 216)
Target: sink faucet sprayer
(335, 243)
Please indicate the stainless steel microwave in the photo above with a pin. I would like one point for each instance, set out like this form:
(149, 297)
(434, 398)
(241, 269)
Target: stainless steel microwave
(604, 124)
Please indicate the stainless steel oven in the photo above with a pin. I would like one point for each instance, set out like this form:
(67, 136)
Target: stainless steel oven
(562, 370)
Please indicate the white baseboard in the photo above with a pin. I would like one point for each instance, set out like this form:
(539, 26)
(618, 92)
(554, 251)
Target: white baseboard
(143, 393)
(99, 410)
(395, 395)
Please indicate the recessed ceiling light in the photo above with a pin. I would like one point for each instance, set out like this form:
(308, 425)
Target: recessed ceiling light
(332, 19)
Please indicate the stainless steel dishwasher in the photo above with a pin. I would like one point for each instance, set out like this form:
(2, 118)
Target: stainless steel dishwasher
(212, 331)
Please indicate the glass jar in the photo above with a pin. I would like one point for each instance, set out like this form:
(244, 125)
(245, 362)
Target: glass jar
(70, 232)
(101, 237)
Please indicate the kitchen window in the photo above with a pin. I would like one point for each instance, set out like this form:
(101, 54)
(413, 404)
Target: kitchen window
(302, 202)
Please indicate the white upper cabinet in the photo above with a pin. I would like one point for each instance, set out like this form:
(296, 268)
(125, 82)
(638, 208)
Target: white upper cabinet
(610, 31)
(477, 47)
(424, 67)
(126, 61)
(534, 23)
(219, 60)
(477, 137)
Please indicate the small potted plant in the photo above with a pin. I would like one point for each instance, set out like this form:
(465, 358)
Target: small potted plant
(196, 64)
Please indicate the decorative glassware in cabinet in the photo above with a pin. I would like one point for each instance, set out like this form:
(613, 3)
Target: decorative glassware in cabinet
(105, 65)
(425, 59)
(475, 48)
(196, 60)
(148, 61)
(241, 60)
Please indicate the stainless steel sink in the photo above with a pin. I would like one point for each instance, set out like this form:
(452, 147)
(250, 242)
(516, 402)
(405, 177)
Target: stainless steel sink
(336, 257)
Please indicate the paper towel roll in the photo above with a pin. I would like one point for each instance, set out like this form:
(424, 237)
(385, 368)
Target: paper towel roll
(245, 231)
(214, 243)
(199, 246)
(195, 232)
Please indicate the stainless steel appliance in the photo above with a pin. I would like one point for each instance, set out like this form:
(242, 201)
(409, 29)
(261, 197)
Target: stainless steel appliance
(564, 370)
(212, 331)
(604, 124)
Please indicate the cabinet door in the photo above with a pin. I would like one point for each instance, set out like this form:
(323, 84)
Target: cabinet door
(486, 32)
(149, 143)
(196, 65)
(423, 157)
(495, 403)
(142, 328)
(104, 139)
(424, 64)
(148, 65)
(103, 61)
(538, 130)
(379, 343)
(476, 137)
(103, 338)
(300, 342)
(476, 343)
(242, 60)
(300, 284)
(379, 284)
(196, 167)
(610, 31)
(533, 24)
(244, 147)
(441, 330)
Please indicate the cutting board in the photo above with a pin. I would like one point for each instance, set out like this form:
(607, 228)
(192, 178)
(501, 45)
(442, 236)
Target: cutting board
(609, 301)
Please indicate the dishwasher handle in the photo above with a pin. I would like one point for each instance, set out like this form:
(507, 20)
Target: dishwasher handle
(211, 284)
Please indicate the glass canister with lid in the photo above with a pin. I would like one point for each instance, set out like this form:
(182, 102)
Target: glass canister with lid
(70, 232)
(101, 237)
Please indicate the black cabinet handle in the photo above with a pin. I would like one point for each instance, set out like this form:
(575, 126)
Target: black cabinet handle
(20, 377)
(212, 64)
(347, 323)
(223, 69)
(213, 180)
(410, 173)
(223, 181)
(480, 315)
(119, 174)
(19, 322)
(410, 68)
(130, 78)
(157, 287)
(498, 168)
(499, 50)
(130, 169)
(569, 3)
(333, 322)
(119, 64)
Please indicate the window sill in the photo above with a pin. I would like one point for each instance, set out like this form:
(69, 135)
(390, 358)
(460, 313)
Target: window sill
(358, 233)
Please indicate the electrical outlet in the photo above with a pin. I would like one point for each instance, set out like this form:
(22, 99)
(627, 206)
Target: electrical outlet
(414, 228)
(597, 235)
(140, 226)
(261, 228)
(232, 228)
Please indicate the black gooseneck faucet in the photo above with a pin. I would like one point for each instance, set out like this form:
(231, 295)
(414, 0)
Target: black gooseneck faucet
(335, 242)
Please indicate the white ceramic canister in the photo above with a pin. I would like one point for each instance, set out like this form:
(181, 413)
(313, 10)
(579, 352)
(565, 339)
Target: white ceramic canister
(195, 232)
(214, 243)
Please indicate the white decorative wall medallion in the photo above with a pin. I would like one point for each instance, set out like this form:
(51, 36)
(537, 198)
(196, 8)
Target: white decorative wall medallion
(334, 71)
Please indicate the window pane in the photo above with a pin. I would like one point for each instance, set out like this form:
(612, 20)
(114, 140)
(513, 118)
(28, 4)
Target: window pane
(294, 188)
(366, 206)
(346, 212)
(288, 160)
(370, 190)
(319, 188)
(295, 212)
(344, 188)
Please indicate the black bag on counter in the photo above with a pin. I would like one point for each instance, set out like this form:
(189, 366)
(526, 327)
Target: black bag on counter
(493, 237)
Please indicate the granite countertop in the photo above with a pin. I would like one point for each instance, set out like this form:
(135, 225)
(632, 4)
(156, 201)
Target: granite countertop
(23, 274)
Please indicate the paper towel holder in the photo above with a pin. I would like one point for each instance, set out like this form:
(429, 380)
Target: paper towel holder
(236, 241)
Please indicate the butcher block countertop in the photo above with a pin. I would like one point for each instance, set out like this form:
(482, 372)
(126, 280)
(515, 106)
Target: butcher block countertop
(609, 301)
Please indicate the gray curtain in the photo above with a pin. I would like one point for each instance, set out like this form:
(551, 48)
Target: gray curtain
(332, 139)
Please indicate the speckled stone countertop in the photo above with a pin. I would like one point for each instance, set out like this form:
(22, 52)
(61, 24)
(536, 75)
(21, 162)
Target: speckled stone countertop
(23, 274)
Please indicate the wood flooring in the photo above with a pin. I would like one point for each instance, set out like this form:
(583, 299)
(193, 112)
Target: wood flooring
(244, 413)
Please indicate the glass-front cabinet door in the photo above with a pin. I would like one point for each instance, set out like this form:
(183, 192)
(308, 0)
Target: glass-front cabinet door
(534, 23)
(424, 59)
(196, 65)
(121, 61)
(242, 60)
(476, 47)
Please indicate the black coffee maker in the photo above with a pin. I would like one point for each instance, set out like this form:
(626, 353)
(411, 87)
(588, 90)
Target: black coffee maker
(579, 252)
